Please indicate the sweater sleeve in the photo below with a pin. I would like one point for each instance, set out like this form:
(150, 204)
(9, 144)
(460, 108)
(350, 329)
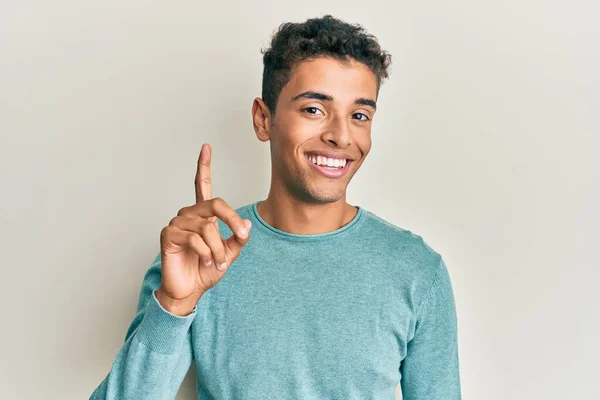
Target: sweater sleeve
(157, 352)
(430, 370)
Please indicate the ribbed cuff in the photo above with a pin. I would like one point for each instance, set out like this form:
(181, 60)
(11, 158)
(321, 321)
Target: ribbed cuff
(162, 331)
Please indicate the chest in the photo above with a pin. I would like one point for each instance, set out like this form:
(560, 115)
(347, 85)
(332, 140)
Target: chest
(302, 328)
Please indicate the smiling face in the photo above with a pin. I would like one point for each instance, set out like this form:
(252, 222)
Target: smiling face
(324, 111)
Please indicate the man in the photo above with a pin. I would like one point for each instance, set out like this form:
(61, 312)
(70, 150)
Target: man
(301, 295)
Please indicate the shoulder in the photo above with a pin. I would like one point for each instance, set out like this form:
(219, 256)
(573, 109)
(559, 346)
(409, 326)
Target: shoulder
(414, 266)
(408, 252)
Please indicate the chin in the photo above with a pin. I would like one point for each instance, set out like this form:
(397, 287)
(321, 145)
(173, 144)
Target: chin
(323, 196)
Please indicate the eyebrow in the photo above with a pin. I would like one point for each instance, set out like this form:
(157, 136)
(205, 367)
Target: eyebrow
(321, 96)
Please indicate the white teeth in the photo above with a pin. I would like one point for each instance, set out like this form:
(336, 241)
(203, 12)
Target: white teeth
(329, 162)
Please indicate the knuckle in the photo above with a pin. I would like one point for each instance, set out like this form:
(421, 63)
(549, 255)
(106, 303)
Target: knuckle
(193, 238)
(165, 232)
(205, 227)
(208, 223)
(217, 250)
(205, 253)
(196, 241)
(220, 257)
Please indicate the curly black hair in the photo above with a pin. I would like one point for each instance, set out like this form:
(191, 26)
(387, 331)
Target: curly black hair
(325, 36)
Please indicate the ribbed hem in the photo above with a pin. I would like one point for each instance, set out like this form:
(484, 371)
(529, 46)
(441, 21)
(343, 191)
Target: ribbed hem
(162, 331)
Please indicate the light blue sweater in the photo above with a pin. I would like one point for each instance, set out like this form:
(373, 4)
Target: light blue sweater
(341, 315)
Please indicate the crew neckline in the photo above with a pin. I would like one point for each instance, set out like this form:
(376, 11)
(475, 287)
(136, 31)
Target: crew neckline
(305, 237)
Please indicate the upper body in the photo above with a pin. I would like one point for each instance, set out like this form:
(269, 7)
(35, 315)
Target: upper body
(341, 315)
(301, 295)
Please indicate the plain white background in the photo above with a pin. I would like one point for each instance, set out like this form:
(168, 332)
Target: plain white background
(485, 143)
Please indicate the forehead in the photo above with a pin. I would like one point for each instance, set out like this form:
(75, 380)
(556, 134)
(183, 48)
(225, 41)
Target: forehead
(345, 81)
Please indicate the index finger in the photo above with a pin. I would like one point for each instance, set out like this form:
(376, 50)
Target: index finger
(202, 180)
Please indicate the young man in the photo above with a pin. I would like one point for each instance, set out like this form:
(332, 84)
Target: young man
(301, 295)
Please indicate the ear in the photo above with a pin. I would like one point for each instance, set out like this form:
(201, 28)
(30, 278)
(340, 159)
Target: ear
(261, 119)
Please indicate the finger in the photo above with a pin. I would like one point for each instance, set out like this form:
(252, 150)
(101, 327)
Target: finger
(219, 208)
(234, 245)
(188, 239)
(202, 181)
(212, 237)
(195, 225)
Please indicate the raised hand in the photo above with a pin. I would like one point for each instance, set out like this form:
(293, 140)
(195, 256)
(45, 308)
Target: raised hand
(194, 255)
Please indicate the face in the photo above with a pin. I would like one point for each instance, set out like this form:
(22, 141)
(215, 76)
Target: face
(323, 115)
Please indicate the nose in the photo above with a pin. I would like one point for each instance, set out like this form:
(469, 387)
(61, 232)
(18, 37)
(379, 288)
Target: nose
(338, 132)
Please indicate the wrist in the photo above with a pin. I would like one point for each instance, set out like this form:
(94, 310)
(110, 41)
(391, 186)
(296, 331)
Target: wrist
(178, 307)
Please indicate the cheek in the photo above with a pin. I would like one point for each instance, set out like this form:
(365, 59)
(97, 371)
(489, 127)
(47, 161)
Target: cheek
(296, 132)
(287, 137)
(363, 142)
(302, 129)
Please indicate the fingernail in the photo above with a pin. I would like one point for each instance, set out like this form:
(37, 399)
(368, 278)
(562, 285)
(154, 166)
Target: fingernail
(209, 262)
(222, 267)
(242, 232)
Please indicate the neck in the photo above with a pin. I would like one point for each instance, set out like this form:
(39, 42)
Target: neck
(295, 216)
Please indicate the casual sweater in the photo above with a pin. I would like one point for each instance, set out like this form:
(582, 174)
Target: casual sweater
(345, 314)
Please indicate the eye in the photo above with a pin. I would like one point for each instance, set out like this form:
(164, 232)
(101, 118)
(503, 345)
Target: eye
(361, 116)
(312, 110)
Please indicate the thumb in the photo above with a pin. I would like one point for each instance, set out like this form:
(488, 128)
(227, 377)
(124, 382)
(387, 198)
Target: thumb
(234, 245)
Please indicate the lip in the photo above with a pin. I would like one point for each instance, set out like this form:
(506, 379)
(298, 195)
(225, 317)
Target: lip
(330, 172)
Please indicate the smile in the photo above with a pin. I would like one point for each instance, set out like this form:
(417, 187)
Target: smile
(331, 168)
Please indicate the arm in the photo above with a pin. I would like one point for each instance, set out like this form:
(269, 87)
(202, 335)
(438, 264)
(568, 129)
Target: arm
(157, 352)
(430, 370)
